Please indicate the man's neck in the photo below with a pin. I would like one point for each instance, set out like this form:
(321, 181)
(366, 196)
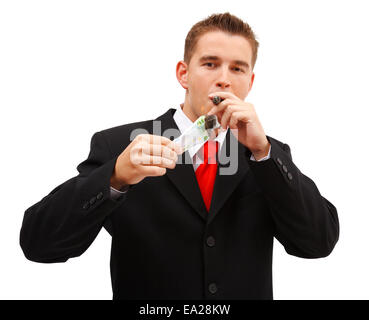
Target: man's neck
(187, 110)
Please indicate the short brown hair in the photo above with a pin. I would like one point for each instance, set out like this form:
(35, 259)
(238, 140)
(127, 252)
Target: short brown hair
(223, 22)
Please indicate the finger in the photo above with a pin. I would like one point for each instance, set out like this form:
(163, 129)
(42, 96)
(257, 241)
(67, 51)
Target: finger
(153, 139)
(159, 150)
(228, 113)
(153, 171)
(238, 116)
(219, 107)
(159, 140)
(171, 153)
(175, 147)
(223, 105)
(147, 160)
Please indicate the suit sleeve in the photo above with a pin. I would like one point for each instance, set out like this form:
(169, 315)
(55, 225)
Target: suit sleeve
(66, 221)
(306, 223)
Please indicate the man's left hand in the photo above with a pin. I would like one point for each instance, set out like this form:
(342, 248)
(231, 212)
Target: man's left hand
(241, 116)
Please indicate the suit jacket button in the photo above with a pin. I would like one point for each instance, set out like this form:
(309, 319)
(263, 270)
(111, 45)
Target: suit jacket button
(279, 161)
(92, 200)
(213, 288)
(86, 205)
(289, 175)
(210, 241)
(284, 168)
(99, 196)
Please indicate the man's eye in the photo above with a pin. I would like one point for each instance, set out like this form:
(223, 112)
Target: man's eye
(209, 64)
(238, 69)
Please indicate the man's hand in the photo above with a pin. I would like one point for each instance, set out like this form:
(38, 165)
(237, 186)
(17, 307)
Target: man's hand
(147, 155)
(240, 115)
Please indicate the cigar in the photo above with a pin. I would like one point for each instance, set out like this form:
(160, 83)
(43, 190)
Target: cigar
(217, 100)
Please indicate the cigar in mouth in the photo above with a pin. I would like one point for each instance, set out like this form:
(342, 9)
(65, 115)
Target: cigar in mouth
(217, 100)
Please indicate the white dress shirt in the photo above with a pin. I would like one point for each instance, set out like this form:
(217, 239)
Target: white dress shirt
(196, 152)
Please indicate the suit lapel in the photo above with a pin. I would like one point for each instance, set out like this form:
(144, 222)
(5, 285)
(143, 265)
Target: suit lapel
(231, 169)
(183, 175)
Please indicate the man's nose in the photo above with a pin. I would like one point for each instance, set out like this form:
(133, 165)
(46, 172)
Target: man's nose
(223, 81)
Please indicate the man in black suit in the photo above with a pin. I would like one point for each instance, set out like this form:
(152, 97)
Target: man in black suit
(173, 238)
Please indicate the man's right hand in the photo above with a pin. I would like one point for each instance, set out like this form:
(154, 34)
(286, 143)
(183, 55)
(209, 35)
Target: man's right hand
(147, 155)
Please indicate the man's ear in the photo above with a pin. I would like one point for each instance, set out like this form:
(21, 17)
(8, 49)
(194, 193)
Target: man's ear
(182, 73)
(252, 81)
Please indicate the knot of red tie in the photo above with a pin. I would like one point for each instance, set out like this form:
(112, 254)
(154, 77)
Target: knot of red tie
(210, 152)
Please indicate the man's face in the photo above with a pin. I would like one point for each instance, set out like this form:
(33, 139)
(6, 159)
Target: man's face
(221, 62)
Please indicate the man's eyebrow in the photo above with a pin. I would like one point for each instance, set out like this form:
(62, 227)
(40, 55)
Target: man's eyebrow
(215, 58)
(206, 58)
(241, 63)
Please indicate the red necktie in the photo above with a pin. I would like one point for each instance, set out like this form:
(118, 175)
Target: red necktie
(207, 171)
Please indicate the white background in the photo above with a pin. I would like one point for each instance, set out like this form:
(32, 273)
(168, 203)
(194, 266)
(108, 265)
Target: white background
(71, 68)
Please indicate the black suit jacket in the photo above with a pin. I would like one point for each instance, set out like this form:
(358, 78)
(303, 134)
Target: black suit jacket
(165, 245)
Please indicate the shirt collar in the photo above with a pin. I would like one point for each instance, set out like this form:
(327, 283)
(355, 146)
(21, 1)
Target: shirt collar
(183, 122)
